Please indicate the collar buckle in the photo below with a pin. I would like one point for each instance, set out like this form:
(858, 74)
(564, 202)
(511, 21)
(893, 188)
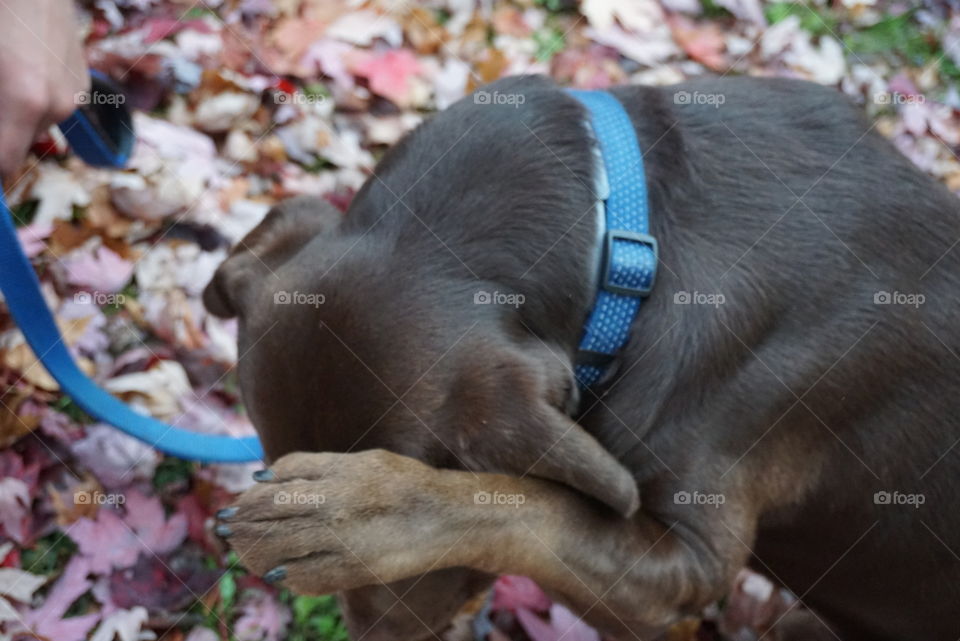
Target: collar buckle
(626, 271)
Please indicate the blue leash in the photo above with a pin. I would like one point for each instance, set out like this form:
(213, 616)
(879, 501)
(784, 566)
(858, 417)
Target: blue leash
(101, 134)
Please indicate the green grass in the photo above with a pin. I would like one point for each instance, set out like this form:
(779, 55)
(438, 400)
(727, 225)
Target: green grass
(315, 618)
(816, 20)
(550, 42)
(24, 212)
(49, 555)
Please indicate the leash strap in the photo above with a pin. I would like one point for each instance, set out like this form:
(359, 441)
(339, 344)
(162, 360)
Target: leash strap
(629, 257)
(100, 133)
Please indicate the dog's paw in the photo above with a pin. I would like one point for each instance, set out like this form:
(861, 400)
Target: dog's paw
(325, 522)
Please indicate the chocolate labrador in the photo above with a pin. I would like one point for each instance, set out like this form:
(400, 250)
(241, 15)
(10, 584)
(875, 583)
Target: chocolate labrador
(787, 398)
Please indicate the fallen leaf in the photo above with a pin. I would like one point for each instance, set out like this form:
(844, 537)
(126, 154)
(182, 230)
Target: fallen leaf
(261, 618)
(122, 625)
(166, 584)
(512, 592)
(115, 458)
(364, 26)
(111, 542)
(67, 509)
(702, 42)
(47, 620)
(160, 388)
(425, 34)
(390, 74)
(101, 271)
(58, 190)
(19, 585)
(13, 426)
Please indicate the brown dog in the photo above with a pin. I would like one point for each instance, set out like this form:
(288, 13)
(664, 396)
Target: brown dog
(802, 421)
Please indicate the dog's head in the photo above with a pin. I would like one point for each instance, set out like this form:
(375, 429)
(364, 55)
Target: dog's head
(346, 345)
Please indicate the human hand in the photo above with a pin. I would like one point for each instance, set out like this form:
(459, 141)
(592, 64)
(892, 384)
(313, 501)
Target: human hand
(42, 70)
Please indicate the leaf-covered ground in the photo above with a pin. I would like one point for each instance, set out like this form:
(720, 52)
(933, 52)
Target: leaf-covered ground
(243, 102)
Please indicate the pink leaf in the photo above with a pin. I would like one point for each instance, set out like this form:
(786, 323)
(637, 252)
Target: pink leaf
(754, 603)
(14, 508)
(111, 542)
(47, 620)
(106, 542)
(159, 28)
(536, 627)
(563, 626)
(570, 626)
(328, 56)
(158, 534)
(18, 488)
(263, 618)
(115, 458)
(389, 74)
(32, 238)
(512, 592)
(101, 271)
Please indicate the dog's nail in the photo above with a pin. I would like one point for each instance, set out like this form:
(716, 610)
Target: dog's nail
(264, 475)
(223, 530)
(278, 573)
(227, 513)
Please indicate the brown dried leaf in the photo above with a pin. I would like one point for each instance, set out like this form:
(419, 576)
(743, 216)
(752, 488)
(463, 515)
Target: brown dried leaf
(67, 236)
(425, 34)
(102, 216)
(67, 509)
(21, 358)
(13, 427)
(491, 67)
(508, 20)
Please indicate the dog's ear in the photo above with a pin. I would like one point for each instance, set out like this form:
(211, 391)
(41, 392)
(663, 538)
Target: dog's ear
(285, 229)
(564, 452)
(511, 406)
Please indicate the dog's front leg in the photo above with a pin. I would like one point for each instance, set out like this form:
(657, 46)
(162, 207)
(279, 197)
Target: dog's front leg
(327, 522)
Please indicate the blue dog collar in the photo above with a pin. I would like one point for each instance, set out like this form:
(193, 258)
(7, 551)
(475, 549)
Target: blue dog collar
(628, 254)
